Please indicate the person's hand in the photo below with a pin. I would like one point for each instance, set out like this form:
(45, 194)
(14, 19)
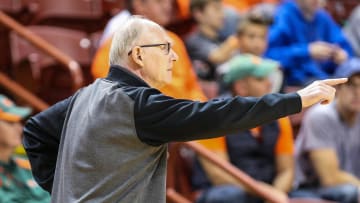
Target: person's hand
(319, 91)
(233, 42)
(321, 50)
(278, 196)
(340, 56)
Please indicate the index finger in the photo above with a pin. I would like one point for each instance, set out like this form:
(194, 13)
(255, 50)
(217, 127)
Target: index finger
(335, 81)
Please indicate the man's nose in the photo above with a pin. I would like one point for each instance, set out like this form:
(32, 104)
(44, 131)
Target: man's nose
(174, 56)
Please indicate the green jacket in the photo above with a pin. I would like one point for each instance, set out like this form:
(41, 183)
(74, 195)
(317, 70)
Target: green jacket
(18, 186)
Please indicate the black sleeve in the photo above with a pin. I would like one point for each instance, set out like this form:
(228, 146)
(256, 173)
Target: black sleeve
(41, 140)
(160, 119)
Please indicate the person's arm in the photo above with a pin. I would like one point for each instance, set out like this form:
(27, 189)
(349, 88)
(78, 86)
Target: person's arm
(218, 176)
(225, 51)
(284, 172)
(284, 159)
(326, 165)
(41, 139)
(160, 119)
(204, 49)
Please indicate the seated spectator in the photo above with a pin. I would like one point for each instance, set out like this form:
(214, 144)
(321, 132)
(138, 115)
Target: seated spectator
(252, 34)
(184, 84)
(204, 45)
(264, 152)
(352, 30)
(307, 42)
(328, 144)
(231, 17)
(16, 181)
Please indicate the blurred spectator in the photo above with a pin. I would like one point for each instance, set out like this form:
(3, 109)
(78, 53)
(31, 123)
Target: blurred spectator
(352, 30)
(252, 34)
(231, 17)
(184, 84)
(206, 49)
(328, 144)
(16, 181)
(307, 42)
(265, 152)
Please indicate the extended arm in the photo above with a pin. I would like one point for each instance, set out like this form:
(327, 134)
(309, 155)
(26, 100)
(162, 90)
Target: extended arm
(284, 172)
(326, 165)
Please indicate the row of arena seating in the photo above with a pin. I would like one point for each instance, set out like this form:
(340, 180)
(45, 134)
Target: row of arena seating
(49, 79)
(39, 72)
(74, 27)
(51, 11)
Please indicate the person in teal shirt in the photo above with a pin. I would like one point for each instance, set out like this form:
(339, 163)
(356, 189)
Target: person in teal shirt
(16, 181)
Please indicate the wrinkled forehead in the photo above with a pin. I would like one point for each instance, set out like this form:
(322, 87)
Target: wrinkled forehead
(154, 34)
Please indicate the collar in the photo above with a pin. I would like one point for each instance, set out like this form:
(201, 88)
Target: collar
(122, 75)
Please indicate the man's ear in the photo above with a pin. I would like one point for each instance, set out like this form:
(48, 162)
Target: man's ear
(136, 56)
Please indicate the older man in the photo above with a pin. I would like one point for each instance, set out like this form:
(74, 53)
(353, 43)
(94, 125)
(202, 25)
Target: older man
(184, 84)
(114, 133)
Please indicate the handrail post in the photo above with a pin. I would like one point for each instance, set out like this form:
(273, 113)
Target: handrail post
(176, 197)
(67, 61)
(22, 92)
(232, 170)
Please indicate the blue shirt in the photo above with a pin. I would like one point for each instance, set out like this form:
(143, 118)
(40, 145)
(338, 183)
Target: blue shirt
(289, 41)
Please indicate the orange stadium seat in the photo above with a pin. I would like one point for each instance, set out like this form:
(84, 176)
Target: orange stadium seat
(39, 72)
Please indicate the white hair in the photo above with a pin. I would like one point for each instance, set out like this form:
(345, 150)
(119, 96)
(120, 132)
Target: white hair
(125, 38)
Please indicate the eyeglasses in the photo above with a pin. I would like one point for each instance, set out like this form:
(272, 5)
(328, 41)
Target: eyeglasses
(163, 46)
